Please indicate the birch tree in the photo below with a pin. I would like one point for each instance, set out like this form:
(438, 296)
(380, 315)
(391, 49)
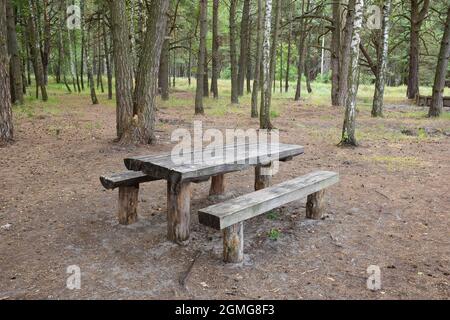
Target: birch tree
(377, 107)
(266, 90)
(348, 130)
(441, 69)
(257, 73)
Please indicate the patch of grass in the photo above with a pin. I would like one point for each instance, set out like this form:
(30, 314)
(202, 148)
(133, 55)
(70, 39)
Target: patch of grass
(395, 162)
(274, 234)
(272, 215)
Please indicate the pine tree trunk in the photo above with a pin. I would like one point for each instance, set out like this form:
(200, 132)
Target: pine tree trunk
(6, 123)
(441, 70)
(205, 78)
(288, 58)
(35, 52)
(147, 75)
(201, 58)
(89, 67)
(15, 61)
(335, 53)
(417, 17)
(106, 48)
(257, 73)
(243, 46)
(345, 54)
(123, 71)
(215, 50)
(377, 107)
(233, 59)
(348, 130)
(163, 74)
(301, 53)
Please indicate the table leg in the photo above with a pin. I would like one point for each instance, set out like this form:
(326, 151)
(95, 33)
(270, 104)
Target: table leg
(217, 185)
(178, 210)
(263, 176)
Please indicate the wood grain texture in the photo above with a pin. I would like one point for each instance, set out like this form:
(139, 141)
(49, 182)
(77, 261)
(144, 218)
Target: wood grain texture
(128, 202)
(223, 215)
(233, 158)
(262, 178)
(178, 210)
(127, 178)
(314, 205)
(233, 243)
(217, 185)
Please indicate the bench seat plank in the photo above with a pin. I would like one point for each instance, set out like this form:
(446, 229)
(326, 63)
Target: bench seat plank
(127, 178)
(223, 215)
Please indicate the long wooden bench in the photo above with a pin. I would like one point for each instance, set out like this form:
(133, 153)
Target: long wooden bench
(230, 215)
(128, 184)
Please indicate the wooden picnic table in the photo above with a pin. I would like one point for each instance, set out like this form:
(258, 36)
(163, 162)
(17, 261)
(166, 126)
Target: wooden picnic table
(180, 175)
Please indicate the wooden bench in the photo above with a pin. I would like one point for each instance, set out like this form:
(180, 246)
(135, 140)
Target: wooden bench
(128, 184)
(230, 215)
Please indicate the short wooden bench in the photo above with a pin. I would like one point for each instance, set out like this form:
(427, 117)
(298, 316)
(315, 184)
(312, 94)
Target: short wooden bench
(128, 184)
(230, 215)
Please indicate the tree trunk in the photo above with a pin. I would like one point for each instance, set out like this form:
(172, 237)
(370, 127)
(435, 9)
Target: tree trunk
(15, 61)
(243, 46)
(441, 70)
(345, 54)
(90, 71)
(6, 123)
(288, 58)
(123, 71)
(233, 59)
(163, 74)
(417, 16)
(377, 107)
(107, 60)
(267, 94)
(335, 53)
(35, 52)
(257, 73)
(301, 53)
(205, 77)
(201, 58)
(348, 130)
(147, 75)
(215, 50)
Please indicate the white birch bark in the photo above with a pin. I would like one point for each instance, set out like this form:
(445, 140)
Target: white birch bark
(377, 107)
(348, 130)
(265, 101)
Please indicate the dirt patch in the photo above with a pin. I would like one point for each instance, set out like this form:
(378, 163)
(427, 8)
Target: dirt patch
(391, 209)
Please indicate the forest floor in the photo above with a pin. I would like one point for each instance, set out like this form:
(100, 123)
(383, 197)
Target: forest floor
(391, 207)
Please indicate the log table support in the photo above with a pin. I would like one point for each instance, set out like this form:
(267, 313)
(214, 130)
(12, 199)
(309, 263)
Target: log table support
(217, 185)
(314, 205)
(178, 210)
(128, 202)
(233, 243)
(263, 176)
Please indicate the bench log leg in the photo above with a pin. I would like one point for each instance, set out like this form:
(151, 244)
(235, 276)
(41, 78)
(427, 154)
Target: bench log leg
(128, 202)
(217, 185)
(262, 178)
(233, 243)
(178, 210)
(314, 205)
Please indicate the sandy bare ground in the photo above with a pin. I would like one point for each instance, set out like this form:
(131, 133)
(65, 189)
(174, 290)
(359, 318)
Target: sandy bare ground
(391, 209)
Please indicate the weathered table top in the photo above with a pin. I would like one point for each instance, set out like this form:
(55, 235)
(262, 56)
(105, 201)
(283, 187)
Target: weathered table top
(204, 163)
